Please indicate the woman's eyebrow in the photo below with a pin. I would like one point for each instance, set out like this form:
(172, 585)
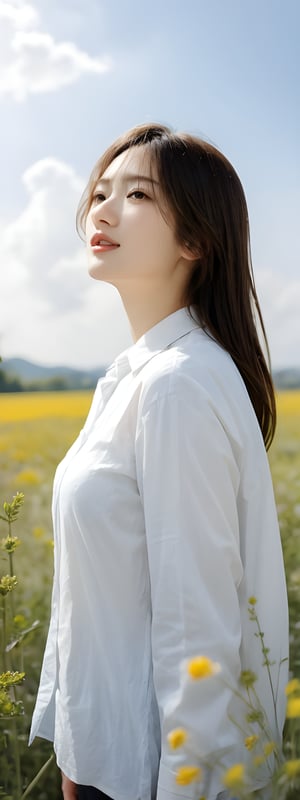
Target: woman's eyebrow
(127, 177)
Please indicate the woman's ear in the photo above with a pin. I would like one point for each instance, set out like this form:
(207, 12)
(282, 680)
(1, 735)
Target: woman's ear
(190, 252)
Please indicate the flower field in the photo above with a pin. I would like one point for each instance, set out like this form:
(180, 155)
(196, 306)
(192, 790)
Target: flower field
(25, 406)
(35, 431)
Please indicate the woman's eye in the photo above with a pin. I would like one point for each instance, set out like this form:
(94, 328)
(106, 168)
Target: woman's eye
(137, 194)
(97, 198)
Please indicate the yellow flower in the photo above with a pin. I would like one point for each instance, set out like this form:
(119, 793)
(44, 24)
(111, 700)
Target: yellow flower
(293, 708)
(202, 667)
(258, 760)
(7, 584)
(269, 748)
(234, 777)
(252, 600)
(11, 679)
(248, 678)
(177, 737)
(6, 705)
(50, 544)
(38, 532)
(292, 687)
(251, 741)
(255, 716)
(20, 621)
(9, 708)
(10, 543)
(28, 476)
(188, 774)
(292, 768)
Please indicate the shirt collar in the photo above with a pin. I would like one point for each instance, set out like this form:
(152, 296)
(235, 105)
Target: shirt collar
(158, 338)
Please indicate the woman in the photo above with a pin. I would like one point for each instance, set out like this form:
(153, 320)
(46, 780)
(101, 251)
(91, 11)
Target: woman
(163, 508)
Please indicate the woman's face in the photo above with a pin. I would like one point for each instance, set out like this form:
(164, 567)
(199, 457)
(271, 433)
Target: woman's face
(128, 240)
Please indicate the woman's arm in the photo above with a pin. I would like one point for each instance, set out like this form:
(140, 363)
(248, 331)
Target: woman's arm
(68, 788)
(188, 480)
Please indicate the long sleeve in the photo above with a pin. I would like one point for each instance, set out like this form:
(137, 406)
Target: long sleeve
(44, 713)
(188, 480)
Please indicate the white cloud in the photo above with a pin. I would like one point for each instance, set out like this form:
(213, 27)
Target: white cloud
(20, 14)
(51, 311)
(42, 242)
(31, 61)
(89, 336)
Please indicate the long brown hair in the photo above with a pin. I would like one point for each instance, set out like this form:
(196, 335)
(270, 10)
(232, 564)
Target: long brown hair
(207, 203)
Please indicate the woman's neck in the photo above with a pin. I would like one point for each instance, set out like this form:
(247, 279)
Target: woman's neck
(145, 312)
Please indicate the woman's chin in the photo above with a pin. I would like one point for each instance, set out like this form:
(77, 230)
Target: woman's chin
(96, 270)
(99, 274)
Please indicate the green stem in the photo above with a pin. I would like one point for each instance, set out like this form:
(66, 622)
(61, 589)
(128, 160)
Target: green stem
(21, 658)
(4, 633)
(11, 570)
(17, 758)
(293, 730)
(267, 664)
(2, 640)
(264, 722)
(36, 779)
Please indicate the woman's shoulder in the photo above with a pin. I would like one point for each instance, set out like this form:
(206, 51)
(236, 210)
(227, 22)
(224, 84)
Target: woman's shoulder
(201, 379)
(194, 365)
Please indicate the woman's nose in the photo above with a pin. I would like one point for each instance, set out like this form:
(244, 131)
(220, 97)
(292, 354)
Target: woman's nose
(107, 212)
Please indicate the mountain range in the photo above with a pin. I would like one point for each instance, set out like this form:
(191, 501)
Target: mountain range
(31, 375)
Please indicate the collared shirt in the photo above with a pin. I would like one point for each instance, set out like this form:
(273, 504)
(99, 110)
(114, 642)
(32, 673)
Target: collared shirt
(164, 525)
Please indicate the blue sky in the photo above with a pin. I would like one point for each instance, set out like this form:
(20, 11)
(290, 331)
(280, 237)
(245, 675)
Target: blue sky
(77, 74)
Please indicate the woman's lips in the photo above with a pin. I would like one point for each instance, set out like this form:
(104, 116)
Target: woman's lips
(100, 243)
(100, 248)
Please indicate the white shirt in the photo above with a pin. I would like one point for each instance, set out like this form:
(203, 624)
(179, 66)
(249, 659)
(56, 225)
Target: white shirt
(164, 525)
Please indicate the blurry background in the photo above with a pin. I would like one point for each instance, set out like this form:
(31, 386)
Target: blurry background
(77, 73)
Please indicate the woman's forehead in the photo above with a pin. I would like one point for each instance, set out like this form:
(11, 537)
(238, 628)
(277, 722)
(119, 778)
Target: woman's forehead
(135, 161)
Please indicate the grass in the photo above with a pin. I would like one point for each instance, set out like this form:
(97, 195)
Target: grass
(285, 467)
(35, 432)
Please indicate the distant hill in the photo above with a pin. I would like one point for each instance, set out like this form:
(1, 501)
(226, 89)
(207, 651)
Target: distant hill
(21, 375)
(36, 377)
(287, 378)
